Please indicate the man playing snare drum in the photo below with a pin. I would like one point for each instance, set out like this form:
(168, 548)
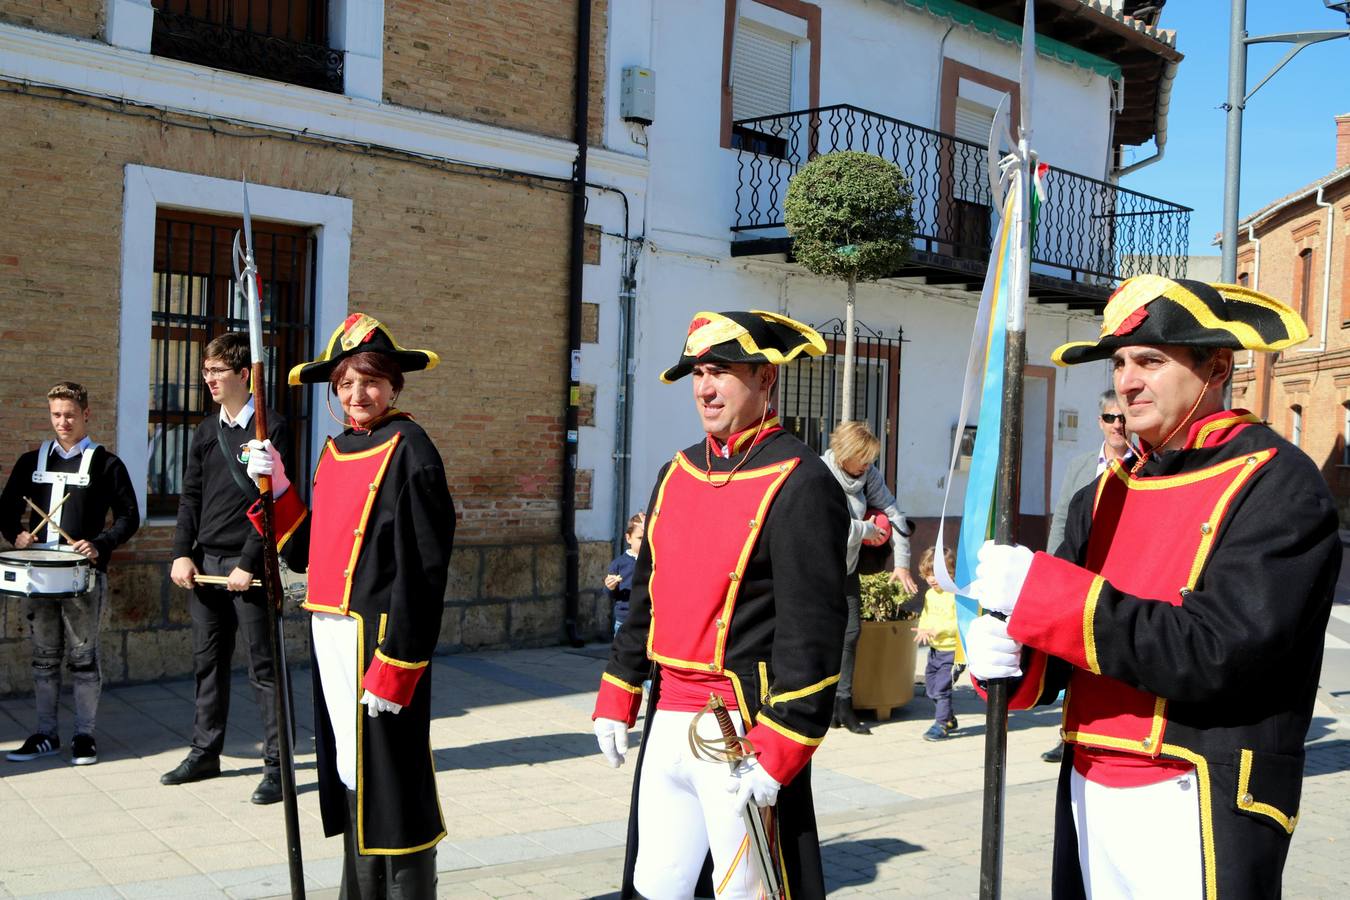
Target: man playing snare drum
(66, 489)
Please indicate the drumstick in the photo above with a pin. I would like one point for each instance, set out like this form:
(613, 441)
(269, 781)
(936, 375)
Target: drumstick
(47, 516)
(221, 580)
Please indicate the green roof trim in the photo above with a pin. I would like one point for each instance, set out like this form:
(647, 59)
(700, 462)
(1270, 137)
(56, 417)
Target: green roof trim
(1010, 31)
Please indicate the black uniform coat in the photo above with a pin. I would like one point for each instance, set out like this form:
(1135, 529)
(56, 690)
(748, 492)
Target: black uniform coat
(1238, 661)
(401, 573)
(789, 619)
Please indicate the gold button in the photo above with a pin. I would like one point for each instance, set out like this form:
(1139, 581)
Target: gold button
(346, 572)
(783, 467)
(1251, 460)
(733, 576)
(720, 624)
(1206, 528)
(753, 523)
(372, 486)
(657, 511)
(712, 667)
(1246, 800)
(1184, 591)
(1147, 743)
(357, 532)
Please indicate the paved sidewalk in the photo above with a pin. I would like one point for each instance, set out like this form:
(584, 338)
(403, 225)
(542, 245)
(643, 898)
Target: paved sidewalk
(532, 810)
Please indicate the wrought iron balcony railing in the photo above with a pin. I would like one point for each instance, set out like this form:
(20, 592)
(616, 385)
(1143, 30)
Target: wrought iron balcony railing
(1090, 231)
(284, 40)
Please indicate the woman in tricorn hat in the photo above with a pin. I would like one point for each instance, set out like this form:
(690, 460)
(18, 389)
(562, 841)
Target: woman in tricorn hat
(377, 548)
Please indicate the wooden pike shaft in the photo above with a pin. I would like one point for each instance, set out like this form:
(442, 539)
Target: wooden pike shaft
(275, 598)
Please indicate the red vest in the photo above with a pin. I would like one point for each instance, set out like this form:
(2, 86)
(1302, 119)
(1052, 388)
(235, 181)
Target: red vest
(701, 535)
(345, 488)
(1151, 537)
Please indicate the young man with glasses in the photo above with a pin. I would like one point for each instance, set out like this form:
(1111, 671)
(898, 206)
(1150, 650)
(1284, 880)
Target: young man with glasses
(214, 537)
(76, 483)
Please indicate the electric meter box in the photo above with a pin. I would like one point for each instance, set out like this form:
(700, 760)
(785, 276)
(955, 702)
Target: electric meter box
(637, 95)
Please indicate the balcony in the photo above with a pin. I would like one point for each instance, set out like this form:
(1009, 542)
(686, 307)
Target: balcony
(282, 40)
(1091, 233)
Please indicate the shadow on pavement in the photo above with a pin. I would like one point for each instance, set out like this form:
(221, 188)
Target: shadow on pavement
(533, 750)
(1327, 758)
(851, 863)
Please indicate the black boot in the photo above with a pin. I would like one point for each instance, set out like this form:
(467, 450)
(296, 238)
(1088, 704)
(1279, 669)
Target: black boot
(835, 721)
(843, 711)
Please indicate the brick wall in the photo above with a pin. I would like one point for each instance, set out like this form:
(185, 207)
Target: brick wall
(77, 18)
(1317, 382)
(508, 63)
(475, 268)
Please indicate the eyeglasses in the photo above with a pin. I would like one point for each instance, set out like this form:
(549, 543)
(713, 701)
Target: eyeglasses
(216, 371)
(1113, 418)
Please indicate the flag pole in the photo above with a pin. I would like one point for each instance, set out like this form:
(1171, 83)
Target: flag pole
(1008, 491)
(246, 277)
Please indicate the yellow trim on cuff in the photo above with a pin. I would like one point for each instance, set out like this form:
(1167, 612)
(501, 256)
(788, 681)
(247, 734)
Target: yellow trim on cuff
(1089, 627)
(300, 520)
(786, 732)
(803, 692)
(1265, 809)
(398, 663)
(621, 684)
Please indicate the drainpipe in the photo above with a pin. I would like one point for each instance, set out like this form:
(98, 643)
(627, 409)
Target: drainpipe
(1160, 128)
(580, 113)
(1326, 276)
(1255, 283)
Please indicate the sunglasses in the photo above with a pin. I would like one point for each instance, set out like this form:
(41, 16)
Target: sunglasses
(1113, 418)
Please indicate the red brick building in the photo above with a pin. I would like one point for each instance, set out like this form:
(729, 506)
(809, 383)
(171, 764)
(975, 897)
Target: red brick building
(1296, 249)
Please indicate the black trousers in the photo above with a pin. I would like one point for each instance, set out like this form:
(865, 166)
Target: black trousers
(216, 615)
(411, 876)
(853, 592)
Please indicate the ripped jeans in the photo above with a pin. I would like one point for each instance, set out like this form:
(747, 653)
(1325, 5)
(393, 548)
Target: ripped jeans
(69, 628)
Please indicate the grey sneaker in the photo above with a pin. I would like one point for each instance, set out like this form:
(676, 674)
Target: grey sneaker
(83, 750)
(37, 745)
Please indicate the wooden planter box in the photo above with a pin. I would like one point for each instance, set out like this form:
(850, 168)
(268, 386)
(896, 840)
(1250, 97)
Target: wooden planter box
(883, 673)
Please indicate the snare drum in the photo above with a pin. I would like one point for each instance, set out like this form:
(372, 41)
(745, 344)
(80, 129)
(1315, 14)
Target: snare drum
(44, 573)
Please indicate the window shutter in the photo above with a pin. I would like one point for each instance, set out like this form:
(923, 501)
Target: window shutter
(973, 121)
(761, 73)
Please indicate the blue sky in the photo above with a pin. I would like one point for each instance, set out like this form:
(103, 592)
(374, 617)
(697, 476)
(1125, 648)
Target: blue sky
(1288, 137)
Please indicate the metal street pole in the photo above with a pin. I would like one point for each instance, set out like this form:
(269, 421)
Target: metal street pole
(1232, 169)
(1238, 95)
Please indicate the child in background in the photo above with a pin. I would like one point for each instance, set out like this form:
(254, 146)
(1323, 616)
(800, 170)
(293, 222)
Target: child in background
(619, 578)
(937, 629)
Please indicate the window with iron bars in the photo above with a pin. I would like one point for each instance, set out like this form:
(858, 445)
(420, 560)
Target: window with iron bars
(811, 390)
(283, 40)
(194, 302)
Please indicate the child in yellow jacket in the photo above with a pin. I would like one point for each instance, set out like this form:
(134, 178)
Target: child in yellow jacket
(937, 629)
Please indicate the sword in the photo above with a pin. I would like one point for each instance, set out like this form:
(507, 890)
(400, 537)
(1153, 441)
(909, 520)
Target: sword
(758, 822)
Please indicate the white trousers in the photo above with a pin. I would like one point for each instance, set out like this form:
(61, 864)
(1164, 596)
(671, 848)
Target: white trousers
(684, 810)
(335, 653)
(1139, 842)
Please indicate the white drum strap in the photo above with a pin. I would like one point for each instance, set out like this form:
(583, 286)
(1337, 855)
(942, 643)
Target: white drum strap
(59, 481)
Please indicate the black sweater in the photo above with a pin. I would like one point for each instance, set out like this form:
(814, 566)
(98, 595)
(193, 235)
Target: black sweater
(212, 506)
(84, 516)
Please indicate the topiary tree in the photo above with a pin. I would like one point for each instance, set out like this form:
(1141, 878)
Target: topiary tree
(849, 217)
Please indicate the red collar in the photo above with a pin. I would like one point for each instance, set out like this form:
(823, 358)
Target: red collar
(1215, 429)
(744, 440)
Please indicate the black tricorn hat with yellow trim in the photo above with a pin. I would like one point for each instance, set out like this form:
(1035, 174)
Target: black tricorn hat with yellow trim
(755, 336)
(1153, 310)
(360, 333)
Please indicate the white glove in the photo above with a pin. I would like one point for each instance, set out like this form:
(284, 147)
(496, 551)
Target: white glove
(376, 705)
(999, 575)
(263, 459)
(750, 781)
(989, 650)
(612, 735)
